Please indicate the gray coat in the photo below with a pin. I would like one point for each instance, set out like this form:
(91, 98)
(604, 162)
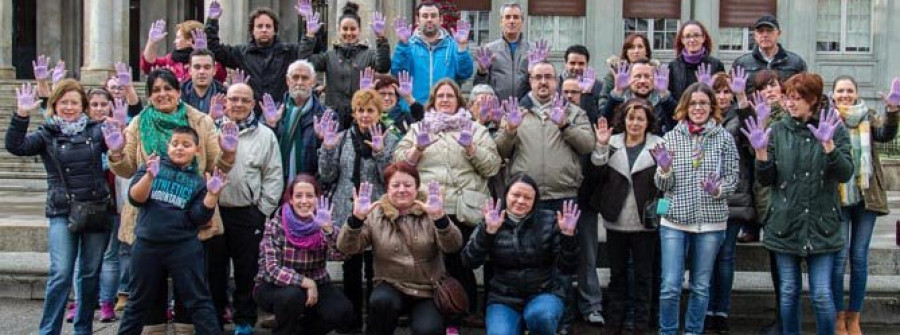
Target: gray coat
(336, 166)
(508, 74)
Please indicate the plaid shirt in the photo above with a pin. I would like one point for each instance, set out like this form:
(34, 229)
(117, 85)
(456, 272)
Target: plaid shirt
(282, 264)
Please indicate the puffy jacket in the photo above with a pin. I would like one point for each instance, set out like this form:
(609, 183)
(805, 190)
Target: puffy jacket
(256, 177)
(804, 215)
(80, 155)
(690, 208)
(617, 183)
(428, 64)
(549, 155)
(407, 250)
(527, 258)
(682, 74)
(266, 66)
(508, 74)
(342, 65)
(740, 203)
(463, 178)
(785, 62)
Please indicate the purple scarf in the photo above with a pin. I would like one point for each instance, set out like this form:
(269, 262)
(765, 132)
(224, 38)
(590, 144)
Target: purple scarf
(441, 122)
(693, 58)
(302, 234)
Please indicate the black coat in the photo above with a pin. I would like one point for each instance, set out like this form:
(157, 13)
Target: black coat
(682, 74)
(527, 258)
(81, 157)
(740, 203)
(785, 62)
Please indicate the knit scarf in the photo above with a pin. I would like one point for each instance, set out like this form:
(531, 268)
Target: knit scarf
(696, 134)
(301, 233)
(860, 131)
(156, 127)
(441, 122)
(362, 150)
(70, 128)
(693, 58)
(249, 122)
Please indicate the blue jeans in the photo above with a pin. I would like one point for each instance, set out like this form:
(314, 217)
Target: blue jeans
(723, 272)
(124, 268)
(64, 249)
(109, 275)
(674, 246)
(819, 269)
(542, 314)
(858, 224)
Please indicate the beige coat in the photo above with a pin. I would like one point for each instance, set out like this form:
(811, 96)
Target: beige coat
(390, 235)
(208, 157)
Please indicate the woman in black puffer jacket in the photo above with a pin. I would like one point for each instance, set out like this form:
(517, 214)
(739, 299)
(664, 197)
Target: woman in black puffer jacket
(528, 249)
(693, 62)
(73, 144)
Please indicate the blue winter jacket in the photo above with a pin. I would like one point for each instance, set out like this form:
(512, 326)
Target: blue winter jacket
(428, 64)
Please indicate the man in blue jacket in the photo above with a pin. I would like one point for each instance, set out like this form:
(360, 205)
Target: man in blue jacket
(431, 53)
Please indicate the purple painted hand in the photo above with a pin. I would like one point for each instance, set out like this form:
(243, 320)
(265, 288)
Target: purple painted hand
(330, 137)
(157, 31)
(423, 136)
(362, 200)
(123, 73)
(623, 77)
(568, 218)
(217, 107)
(323, 123)
(405, 88)
(661, 78)
(216, 182)
(153, 165)
(271, 112)
(465, 134)
(313, 24)
(514, 116)
(367, 79)
(756, 133)
(239, 77)
(662, 156)
(704, 74)
(738, 79)
(461, 32)
(587, 79)
(404, 29)
(435, 204)
(304, 8)
(228, 140)
(199, 37)
(493, 216)
(558, 111)
(711, 184)
(120, 112)
(215, 10)
(378, 24)
(26, 99)
(828, 124)
(59, 72)
(761, 107)
(323, 211)
(377, 142)
(484, 57)
(892, 99)
(39, 65)
(538, 53)
(112, 136)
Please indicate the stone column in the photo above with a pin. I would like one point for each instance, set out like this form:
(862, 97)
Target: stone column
(99, 33)
(233, 23)
(6, 12)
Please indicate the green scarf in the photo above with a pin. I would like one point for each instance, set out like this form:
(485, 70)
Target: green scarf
(156, 128)
(293, 141)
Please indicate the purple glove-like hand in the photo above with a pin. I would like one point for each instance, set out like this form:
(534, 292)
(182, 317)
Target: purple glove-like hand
(304, 8)
(378, 24)
(738, 79)
(123, 73)
(484, 57)
(465, 134)
(40, 68)
(158, 31)
(704, 74)
(312, 24)
(558, 111)
(711, 184)
(59, 72)
(26, 97)
(199, 39)
(321, 124)
(323, 211)
(435, 199)
(623, 77)
(271, 112)
(153, 165)
(112, 135)
(538, 53)
(405, 88)
(587, 79)
(362, 200)
(661, 78)
(493, 216)
(514, 117)
(404, 29)
(330, 137)
(828, 124)
(229, 138)
(216, 182)
(120, 112)
(377, 142)
(239, 77)
(568, 218)
(662, 156)
(892, 99)
(756, 133)
(367, 79)
(215, 10)
(423, 136)
(461, 32)
(217, 107)
(761, 107)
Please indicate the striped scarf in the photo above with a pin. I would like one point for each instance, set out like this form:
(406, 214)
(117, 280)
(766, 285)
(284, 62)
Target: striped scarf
(860, 130)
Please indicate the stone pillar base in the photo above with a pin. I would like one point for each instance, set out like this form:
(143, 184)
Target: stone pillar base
(7, 72)
(94, 76)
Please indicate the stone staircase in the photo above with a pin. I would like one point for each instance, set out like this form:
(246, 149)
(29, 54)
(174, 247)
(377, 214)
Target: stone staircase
(18, 173)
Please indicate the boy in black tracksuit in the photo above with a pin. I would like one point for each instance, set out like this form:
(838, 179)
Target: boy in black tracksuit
(172, 202)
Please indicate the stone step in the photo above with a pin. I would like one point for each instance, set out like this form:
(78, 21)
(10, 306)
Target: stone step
(22, 175)
(23, 185)
(25, 166)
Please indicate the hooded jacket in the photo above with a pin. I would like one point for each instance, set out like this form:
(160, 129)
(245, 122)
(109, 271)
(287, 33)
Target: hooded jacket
(428, 64)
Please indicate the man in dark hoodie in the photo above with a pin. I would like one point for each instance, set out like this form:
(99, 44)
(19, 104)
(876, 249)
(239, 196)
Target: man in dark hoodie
(200, 90)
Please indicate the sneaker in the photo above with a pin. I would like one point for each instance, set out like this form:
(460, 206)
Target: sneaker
(107, 312)
(71, 308)
(452, 330)
(243, 329)
(595, 318)
(121, 301)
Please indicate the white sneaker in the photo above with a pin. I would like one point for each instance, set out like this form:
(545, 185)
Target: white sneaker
(595, 318)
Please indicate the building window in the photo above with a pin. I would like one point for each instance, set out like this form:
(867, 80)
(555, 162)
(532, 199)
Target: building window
(560, 31)
(480, 21)
(844, 26)
(661, 32)
(734, 18)
(736, 39)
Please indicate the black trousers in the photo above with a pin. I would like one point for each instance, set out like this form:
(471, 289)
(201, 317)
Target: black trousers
(387, 304)
(465, 276)
(641, 248)
(150, 264)
(353, 283)
(292, 316)
(244, 228)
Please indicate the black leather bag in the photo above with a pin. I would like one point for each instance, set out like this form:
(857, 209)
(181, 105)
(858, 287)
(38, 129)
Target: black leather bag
(651, 219)
(85, 216)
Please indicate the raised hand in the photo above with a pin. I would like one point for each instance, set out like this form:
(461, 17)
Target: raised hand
(461, 32)
(486, 105)
(568, 218)
(112, 135)
(362, 201)
(321, 124)
(496, 110)
(59, 72)
(120, 112)
(312, 24)
(465, 134)
(153, 165)
(493, 216)
(41, 73)
(558, 111)
(158, 31)
(323, 212)
(423, 136)
(217, 106)
(538, 53)
(271, 112)
(587, 79)
(761, 107)
(378, 24)
(484, 57)
(26, 100)
(404, 29)
(228, 139)
(216, 182)
(756, 133)
(514, 116)
(892, 99)
(330, 134)
(603, 131)
(215, 10)
(662, 156)
(405, 88)
(704, 74)
(711, 184)
(239, 77)
(623, 77)
(377, 142)
(661, 78)
(199, 37)
(435, 205)
(828, 123)
(367, 79)
(123, 73)
(304, 8)
(738, 80)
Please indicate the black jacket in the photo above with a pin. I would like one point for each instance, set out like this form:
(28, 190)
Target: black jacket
(663, 109)
(785, 62)
(81, 157)
(266, 66)
(682, 74)
(527, 258)
(740, 203)
(175, 210)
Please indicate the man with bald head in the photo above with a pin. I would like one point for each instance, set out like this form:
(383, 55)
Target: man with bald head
(251, 195)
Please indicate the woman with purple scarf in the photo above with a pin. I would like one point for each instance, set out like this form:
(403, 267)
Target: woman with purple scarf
(693, 63)
(293, 282)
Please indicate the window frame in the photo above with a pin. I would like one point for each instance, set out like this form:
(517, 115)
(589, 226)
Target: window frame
(556, 32)
(747, 42)
(476, 25)
(843, 32)
(651, 29)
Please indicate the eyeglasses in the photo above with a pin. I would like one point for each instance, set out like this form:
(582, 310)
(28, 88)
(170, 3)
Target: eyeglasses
(698, 104)
(539, 77)
(693, 36)
(571, 92)
(239, 99)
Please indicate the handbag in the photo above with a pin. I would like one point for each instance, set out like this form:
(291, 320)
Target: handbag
(651, 218)
(91, 216)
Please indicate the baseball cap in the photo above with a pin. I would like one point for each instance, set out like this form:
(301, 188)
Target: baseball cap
(767, 20)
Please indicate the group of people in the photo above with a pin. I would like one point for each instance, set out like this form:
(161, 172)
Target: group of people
(409, 183)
